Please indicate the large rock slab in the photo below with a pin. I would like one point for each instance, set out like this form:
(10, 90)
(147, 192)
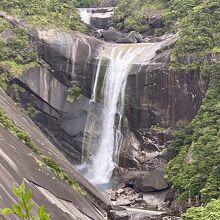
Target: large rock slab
(151, 182)
(59, 199)
(45, 145)
(71, 56)
(111, 35)
(161, 96)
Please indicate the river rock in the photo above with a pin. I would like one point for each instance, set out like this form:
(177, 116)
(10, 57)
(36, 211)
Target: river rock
(118, 215)
(113, 196)
(135, 37)
(111, 35)
(150, 183)
(124, 40)
(120, 191)
(123, 201)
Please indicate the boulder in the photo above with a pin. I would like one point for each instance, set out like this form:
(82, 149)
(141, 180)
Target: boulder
(135, 37)
(118, 213)
(118, 172)
(124, 40)
(151, 183)
(130, 177)
(111, 35)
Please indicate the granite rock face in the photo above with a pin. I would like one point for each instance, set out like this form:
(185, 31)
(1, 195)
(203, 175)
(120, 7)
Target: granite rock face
(18, 162)
(66, 57)
(157, 96)
(71, 56)
(151, 182)
(161, 96)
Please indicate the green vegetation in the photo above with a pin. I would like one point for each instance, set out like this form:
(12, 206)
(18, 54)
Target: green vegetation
(46, 161)
(85, 3)
(195, 170)
(74, 92)
(210, 212)
(198, 24)
(16, 52)
(45, 14)
(134, 15)
(23, 208)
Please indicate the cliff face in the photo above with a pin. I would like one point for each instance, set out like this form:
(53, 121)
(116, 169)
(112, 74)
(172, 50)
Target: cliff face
(66, 57)
(157, 98)
(156, 95)
(71, 56)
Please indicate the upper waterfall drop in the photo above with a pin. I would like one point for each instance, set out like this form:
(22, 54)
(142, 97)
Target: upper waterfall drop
(103, 135)
(85, 15)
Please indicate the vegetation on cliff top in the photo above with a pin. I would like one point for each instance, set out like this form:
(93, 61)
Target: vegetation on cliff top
(17, 53)
(199, 34)
(45, 14)
(134, 15)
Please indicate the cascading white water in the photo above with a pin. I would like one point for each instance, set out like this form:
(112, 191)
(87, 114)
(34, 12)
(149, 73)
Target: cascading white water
(85, 15)
(120, 59)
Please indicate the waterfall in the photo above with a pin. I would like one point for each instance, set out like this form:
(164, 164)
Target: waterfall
(85, 14)
(103, 135)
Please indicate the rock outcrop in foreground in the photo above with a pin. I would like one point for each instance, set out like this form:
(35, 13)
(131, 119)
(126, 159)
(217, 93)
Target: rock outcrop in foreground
(18, 162)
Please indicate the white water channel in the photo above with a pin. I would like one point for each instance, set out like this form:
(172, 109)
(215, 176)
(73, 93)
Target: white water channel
(85, 15)
(120, 59)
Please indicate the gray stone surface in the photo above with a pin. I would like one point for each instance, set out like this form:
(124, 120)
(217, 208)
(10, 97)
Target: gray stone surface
(59, 199)
(150, 182)
(41, 140)
(111, 35)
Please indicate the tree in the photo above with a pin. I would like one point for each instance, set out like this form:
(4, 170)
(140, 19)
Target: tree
(23, 208)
